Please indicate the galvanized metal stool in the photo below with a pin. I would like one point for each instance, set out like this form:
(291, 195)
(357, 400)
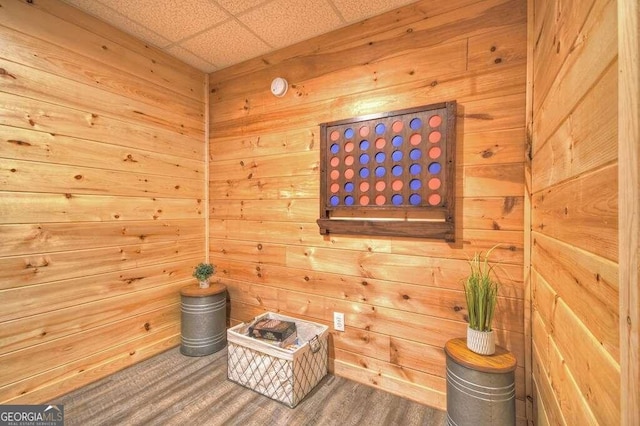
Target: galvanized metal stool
(204, 319)
(480, 388)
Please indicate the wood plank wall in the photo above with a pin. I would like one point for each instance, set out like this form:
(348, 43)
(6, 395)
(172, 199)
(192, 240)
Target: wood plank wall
(629, 208)
(575, 318)
(101, 198)
(402, 297)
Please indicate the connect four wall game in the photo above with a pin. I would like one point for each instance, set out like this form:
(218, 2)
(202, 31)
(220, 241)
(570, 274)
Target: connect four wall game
(390, 174)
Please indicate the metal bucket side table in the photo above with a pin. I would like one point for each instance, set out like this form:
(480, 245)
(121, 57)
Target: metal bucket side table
(480, 388)
(204, 319)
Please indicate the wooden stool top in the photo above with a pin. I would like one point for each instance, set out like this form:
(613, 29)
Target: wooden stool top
(194, 290)
(502, 361)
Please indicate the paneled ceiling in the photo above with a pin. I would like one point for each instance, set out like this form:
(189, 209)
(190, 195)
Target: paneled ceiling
(215, 34)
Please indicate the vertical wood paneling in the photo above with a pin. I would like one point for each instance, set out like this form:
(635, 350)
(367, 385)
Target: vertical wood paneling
(402, 297)
(102, 178)
(629, 152)
(574, 218)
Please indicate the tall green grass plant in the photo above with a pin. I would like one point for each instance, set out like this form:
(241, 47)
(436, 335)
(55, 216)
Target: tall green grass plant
(481, 292)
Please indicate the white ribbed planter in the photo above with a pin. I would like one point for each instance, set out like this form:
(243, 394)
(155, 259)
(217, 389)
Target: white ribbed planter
(481, 342)
(204, 284)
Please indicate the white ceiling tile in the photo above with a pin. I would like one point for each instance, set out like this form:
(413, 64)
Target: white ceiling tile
(239, 6)
(212, 34)
(357, 10)
(119, 21)
(175, 19)
(187, 57)
(284, 22)
(226, 44)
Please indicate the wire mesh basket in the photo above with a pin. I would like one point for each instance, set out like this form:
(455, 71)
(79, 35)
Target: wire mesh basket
(286, 375)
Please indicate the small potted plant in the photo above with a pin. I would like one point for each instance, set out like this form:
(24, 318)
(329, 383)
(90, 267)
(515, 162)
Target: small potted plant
(481, 292)
(203, 272)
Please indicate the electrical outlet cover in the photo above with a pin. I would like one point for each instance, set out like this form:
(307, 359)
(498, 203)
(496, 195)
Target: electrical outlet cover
(338, 321)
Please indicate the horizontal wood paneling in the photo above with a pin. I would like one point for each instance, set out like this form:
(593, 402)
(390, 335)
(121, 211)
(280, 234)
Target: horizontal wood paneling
(574, 218)
(580, 272)
(40, 53)
(16, 175)
(509, 251)
(101, 198)
(22, 302)
(557, 33)
(80, 345)
(89, 369)
(486, 92)
(505, 44)
(497, 213)
(362, 288)
(60, 323)
(404, 18)
(424, 300)
(272, 143)
(377, 371)
(500, 146)
(421, 24)
(400, 296)
(52, 237)
(34, 114)
(596, 374)
(96, 43)
(303, 163)
(37, 268)
(25, 144)
(592, 52)
(28, 82)
(500, 180)
(582, 211)
(30, 207)
(585, 140)
(570, 407)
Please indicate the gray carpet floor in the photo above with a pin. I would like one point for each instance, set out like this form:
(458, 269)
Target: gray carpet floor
(173, 389)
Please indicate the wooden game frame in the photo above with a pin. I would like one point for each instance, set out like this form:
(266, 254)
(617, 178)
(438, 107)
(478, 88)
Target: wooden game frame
(399, 209)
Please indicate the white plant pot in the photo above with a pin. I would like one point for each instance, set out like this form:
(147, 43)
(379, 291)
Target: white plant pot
(481, 342)
(204, 284)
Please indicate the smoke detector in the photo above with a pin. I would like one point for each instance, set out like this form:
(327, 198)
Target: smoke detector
(279, 87)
